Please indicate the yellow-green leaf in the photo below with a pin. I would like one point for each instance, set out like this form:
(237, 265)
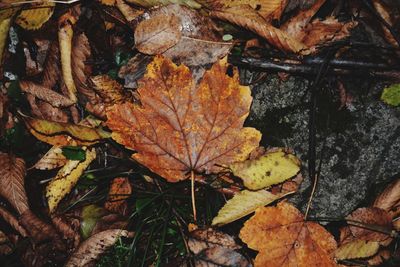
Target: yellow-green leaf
(66, 179)
(391, 95)
(79, 132)
(34, 17)
(357, 249)
(269, 169)
(242, 204)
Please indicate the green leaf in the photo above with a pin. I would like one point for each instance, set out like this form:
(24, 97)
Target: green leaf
(90, 215)
(391, 95)
(74, 153)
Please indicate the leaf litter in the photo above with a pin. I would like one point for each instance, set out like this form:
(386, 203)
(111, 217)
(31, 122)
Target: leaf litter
(179, 115)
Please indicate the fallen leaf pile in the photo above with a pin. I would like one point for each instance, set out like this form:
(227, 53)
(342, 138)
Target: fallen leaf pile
(108, 107)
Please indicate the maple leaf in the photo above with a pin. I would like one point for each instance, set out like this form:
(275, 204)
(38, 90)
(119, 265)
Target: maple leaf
(283, 238)
(181, 127)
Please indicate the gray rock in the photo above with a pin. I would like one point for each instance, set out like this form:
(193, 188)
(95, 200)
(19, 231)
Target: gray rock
(362, 141)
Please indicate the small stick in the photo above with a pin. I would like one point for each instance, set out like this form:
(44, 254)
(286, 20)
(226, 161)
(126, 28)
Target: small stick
(193, 197)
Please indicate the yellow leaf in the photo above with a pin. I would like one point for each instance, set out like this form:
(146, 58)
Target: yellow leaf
(272, 168)
(78, 132)
(66, 179)
(34, 17)
(4, 27)
(65, 34)
(60, 139)
(357, 249)
(242, 204)
(108, 2)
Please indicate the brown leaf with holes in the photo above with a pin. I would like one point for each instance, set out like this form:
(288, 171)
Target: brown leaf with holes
(120, 190)
(182, 127)
(283, 238)
(12, 175)
(248, 18)
(389, 199)
(46, 94)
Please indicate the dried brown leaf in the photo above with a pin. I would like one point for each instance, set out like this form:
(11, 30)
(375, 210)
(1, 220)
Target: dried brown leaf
(248, 18)
(214, 248)
(295, 26)
(108, 89)
(11, 220)
(371, 217)
(157, 34)
(379, 258)
(120, 190)
(46, 94)
(67, 231)
(54, 158)
(128, 11)
(383, 11)
(80, 54)
(134, 69)
(268, 9)
(52, 68)
(12, 175)
(283, 238)
(389, 199)
(181, 127)
(93, 247)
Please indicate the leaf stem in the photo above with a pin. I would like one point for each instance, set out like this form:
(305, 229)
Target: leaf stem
(193, 196)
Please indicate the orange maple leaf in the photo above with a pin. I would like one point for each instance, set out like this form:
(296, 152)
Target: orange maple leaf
(283, 238)
(182, 126)
(120, 190)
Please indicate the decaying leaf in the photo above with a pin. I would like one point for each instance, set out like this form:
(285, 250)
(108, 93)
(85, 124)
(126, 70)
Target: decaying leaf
(12, 173)
(67, 230)
(269, 169)
(242, 204)
(66, 179)
(53, 130)
(371, 217)
(128, 11)
(283, 238)
(34, 17)
(92, 248)
(357, 249)
(248, 18)
(193, 39)
(46, 94)
(379, 258)
(52, 66)
(389, 199)
(181, 127)
(156, 35)
(54, 158)
(120, 190)
(214, 248)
